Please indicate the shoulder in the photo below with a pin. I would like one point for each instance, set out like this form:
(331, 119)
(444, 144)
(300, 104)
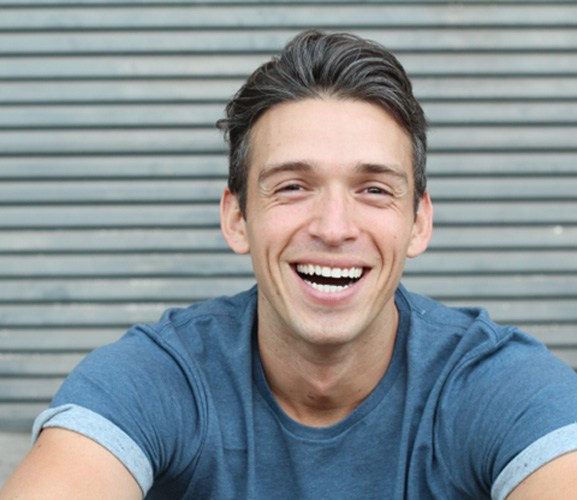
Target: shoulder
(497, 390)
(466, 332)
(184, 331)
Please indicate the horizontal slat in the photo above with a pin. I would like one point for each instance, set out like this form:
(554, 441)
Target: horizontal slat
(114, 166)
(553, 334)
(224, 265)
(530, 261)
(131, 141)
(490, 163)
(192, 289)
(46, 340)
(264, 16)
(180, 3)
(504, 238)
(525, 311)
(179, 240)
(504, 188)
(496, 88)
(229, 264)
(175, 90)
(502, 138)
(527, 213)
(460, 164)
(132, 67)
(208, 190)
(119, 316)
(428, 89)
(237, 66)
(514, 113)
(464, 62)
(206, 115)
(57, 340)
(31, 365)
(134, 215)
(134, 290)
(123, 315)
(205, 216)
(18, 417)
(118, 141)
(153, 240)
(29, 389)
(141, 116)
(481, 287)
(182, 40)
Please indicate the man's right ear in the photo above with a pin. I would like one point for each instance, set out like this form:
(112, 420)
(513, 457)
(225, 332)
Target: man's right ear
(233, 223)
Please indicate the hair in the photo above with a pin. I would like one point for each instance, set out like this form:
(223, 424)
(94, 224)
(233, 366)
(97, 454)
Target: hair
(316, 65)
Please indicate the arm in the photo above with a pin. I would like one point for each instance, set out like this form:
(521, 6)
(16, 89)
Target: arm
(66, 465)
(556, 480)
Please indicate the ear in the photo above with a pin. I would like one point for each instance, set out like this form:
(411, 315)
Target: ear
(422, 228)
(233, 223)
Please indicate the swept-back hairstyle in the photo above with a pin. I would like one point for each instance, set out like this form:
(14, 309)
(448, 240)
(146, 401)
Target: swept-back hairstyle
(312, 65)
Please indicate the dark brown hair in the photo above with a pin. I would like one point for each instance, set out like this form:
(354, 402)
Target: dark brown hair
(314, 64)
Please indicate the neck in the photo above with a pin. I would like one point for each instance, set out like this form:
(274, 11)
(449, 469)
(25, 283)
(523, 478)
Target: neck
(321, 385)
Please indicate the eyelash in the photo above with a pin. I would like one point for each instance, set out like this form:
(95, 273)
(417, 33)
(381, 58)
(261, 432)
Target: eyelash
(376, 190)
(295, 187)
(289, 187)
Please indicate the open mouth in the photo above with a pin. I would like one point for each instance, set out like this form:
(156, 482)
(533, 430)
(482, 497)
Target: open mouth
(329, 279)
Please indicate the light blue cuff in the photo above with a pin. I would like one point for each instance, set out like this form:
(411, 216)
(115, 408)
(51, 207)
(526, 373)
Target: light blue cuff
(542, 451)
(103, 431)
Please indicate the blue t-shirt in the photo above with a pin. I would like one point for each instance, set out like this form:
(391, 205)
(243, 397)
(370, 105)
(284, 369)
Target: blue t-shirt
(466, 409)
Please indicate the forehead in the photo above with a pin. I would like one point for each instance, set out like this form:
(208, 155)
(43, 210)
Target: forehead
(328, 133)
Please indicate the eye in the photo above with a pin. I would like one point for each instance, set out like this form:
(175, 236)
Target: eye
(376, 190)
(289, 187)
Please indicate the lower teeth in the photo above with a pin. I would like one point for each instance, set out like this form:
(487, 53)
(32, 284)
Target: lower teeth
(326, 288)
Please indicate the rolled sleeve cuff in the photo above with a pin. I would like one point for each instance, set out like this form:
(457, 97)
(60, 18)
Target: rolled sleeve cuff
(551, 446)
(103, 431)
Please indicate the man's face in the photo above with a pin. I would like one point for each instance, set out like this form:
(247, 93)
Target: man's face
(329, 220)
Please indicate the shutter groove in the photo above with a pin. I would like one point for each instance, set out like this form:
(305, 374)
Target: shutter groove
(111, 167)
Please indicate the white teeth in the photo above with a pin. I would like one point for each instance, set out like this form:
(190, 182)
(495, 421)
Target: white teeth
(326, 288)
(330, 272)
(351, 273)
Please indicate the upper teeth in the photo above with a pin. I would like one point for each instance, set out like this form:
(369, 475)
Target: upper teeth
(330, 272)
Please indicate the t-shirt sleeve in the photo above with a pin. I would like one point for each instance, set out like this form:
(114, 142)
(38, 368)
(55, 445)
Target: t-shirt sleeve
(542, 451)
(509, 408)
(131, 397)
(104, 432)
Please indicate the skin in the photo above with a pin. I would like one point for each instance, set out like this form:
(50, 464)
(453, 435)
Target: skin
(64, 465)
(330, 184)
(556, 480)
(317, 194)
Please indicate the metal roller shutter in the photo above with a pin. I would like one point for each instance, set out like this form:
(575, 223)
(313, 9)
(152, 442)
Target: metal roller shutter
(111, 168)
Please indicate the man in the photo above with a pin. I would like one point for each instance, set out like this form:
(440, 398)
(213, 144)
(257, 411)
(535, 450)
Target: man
(328, 379)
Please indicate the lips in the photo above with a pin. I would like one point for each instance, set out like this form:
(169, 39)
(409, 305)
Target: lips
(329, 279)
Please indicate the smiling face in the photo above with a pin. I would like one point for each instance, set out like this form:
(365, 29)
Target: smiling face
(329, 221)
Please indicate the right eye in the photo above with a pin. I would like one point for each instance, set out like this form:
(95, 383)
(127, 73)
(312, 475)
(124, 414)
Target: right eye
(289, 187)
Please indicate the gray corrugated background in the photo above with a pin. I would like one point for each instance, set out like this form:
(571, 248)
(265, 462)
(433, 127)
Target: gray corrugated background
(111, 168)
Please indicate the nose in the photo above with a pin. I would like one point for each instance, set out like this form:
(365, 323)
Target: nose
(333, 218)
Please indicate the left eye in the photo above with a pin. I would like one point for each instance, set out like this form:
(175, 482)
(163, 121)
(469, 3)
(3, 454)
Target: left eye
(375, 190)
(290, 187)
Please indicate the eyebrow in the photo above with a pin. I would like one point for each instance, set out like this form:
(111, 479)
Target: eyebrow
(293, 166)
(380, 168)
(362, 168)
